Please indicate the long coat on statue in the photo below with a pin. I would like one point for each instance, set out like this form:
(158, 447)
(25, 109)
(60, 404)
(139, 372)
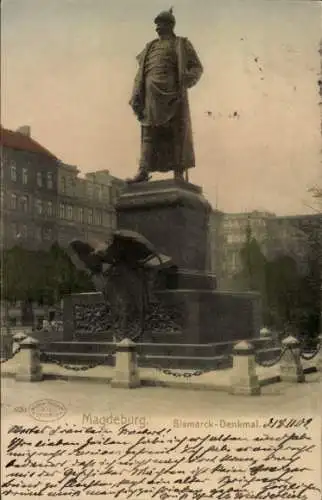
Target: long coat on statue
(163, 108)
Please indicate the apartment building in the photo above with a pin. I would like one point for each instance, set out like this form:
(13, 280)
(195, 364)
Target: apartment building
(44, 200)
(276, 236)
(28, 191)
(86, 204)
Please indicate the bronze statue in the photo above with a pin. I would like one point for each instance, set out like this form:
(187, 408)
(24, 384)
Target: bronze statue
(168, 67)
(124, 269)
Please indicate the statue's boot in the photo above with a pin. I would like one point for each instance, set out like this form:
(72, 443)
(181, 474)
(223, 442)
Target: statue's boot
(141, 176)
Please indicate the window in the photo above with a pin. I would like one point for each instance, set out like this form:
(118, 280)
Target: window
(69, 212)
(81, 215)
(38, 233)
(108, 219)
(50, 208)
(98, 218)
(39, 179)
(49, 180)
(25, 175)
(39, 207)
(63, 184)
(24, 203)
(13, 172)
(97, 192)
(110, 194)
(24, 231)
(13, 201)
(234, 262)
(62, 211)
(90, 189)
(104, 192)
(14, 229)
(90, 216)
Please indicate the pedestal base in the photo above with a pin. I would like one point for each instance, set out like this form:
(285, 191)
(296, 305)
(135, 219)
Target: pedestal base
(173, 215)
(203, 316)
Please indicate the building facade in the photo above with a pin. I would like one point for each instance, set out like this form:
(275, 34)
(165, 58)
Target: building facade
(86, 205)
(277, 236)
(28, 191)
(44, 200)
(229, 234)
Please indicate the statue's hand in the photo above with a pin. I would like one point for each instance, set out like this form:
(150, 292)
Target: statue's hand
(191, 77)
(138, 113)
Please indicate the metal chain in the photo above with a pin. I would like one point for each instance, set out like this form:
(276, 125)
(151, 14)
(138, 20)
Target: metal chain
(172, 372)
(3, 360)
(75, 368)
(195, 373)
(268, 364)
(312, 354)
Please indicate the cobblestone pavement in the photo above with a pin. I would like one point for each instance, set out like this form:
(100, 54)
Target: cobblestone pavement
(101, 399)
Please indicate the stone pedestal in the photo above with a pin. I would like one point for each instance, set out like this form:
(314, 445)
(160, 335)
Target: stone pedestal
(126, 373)
(244, 380)
(174, 216)
(291, 366)
(28, 360)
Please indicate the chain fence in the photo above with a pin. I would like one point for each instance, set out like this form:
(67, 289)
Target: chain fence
(11, 356)
(195, 373)
(307, 356)
(75, 367)
(272, 362)
(177, 374)
(166, 371)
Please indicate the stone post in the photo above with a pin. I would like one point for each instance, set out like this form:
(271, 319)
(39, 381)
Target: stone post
(126, 374)
(17, 339)
(319, 359)
(29, 367)
(244, 380)
(291, 368)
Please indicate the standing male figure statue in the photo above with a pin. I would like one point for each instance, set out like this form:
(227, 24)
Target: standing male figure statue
(168, 67)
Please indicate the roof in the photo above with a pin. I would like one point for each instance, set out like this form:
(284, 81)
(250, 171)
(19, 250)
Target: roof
(17, 140)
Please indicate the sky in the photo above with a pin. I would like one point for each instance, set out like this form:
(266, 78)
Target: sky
(68, 68)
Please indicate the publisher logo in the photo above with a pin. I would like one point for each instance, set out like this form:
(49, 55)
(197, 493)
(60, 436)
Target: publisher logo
(47, 410)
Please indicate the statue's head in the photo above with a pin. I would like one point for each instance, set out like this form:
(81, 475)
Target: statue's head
(165, 22)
